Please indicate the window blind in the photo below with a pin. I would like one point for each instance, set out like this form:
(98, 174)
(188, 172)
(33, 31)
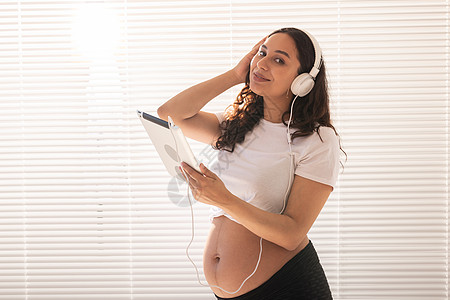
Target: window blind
(393, 108)
(87, 210)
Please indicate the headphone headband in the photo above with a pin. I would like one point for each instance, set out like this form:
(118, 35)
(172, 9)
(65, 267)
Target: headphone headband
(318, 55)
(304, 82)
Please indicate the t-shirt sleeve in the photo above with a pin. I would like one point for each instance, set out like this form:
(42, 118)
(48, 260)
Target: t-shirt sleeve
(319, 161)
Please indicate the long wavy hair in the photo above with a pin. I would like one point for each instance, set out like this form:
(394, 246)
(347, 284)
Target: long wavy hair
(309, 112)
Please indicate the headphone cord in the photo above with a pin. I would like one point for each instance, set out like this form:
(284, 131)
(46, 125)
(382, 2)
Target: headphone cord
(291, 154)
(193, 230)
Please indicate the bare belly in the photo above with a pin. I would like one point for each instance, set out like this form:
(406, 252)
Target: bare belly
(231, 254)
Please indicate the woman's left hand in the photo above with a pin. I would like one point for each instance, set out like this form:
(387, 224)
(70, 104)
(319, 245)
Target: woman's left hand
(206, 187)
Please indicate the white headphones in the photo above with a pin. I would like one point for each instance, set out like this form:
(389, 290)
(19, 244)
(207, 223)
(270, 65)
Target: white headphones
(304, 83)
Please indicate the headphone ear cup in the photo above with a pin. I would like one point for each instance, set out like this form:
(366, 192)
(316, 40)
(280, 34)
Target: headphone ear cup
(302, 84)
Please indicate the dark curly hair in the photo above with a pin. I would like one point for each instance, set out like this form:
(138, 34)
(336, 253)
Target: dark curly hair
(309, 112)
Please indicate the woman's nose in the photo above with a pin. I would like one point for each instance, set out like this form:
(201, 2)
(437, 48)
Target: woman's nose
(262, 63)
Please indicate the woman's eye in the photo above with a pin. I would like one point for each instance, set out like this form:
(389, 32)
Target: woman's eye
(279, 60)
(261, 53)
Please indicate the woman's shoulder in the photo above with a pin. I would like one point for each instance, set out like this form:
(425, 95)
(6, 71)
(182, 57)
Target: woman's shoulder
(327, 133)
(323, 137)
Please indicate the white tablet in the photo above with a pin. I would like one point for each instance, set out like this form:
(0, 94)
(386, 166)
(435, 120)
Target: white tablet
(170, 143)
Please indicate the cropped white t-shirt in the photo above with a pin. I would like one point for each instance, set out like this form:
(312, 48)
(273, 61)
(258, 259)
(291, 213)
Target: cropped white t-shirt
(258, 169)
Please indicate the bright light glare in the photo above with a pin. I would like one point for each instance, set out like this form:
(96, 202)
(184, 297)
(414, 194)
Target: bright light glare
(96, 30)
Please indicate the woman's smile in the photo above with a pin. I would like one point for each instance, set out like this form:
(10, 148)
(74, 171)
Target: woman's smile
(257, 77)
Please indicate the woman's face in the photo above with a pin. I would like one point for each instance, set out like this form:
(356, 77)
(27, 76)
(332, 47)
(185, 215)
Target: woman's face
(274, 67)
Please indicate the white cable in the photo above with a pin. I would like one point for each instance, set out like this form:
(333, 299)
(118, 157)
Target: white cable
(193, 230)
(195, 266)
(291, 154)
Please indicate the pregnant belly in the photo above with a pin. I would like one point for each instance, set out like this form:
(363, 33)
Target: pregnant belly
(231, 254)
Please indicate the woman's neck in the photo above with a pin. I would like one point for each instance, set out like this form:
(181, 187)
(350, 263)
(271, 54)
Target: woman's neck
(274, 109)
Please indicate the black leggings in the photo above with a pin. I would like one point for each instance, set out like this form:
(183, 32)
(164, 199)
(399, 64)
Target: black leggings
(300, 278)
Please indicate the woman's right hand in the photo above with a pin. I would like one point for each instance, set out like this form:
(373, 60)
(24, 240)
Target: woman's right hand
(242, 68)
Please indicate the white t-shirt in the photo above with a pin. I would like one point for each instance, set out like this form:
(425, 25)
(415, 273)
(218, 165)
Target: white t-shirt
(258, 169)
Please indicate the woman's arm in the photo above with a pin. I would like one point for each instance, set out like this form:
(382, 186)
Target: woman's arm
(189, 102)
(184, 108)
(305, 202)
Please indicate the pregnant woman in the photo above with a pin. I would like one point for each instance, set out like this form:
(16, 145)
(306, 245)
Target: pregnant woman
(278, 161)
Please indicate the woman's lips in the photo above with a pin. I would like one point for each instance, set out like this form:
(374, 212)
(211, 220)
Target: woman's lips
(259, 78)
